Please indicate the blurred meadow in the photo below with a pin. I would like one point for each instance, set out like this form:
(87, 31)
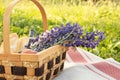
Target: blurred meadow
(102, 15)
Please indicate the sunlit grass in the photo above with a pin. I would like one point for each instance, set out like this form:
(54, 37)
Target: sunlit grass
(103, 16)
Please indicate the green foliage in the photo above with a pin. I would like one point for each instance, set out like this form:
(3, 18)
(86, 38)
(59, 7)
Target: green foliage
(102, 16)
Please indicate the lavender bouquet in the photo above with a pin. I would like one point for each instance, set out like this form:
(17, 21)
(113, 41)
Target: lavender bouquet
(65, 35)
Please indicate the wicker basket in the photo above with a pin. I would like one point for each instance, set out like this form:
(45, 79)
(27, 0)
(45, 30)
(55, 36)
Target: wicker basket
(41, 66)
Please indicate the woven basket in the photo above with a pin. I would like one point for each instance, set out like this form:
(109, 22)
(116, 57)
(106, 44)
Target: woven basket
(44, 65)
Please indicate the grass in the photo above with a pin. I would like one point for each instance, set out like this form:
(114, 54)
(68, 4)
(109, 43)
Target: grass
(102, 16)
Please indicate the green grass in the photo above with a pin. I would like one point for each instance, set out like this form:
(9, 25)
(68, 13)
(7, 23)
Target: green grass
(102, 16)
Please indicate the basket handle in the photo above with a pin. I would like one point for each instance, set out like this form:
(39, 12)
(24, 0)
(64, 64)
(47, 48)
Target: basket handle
(6, 23)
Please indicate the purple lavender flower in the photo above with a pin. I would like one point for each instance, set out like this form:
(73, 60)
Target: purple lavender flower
(65, 35)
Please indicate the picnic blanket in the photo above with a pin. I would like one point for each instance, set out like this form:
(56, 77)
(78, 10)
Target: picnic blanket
(83, 65)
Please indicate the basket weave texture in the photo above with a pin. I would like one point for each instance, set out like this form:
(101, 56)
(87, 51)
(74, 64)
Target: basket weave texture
(44, 65)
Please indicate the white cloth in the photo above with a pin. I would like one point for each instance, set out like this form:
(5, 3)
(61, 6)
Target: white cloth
(83, 65)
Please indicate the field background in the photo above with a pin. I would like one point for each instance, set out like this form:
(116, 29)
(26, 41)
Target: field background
(100, 15)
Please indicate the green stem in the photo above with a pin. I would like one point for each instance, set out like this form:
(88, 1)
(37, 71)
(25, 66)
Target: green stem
(66, 37)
